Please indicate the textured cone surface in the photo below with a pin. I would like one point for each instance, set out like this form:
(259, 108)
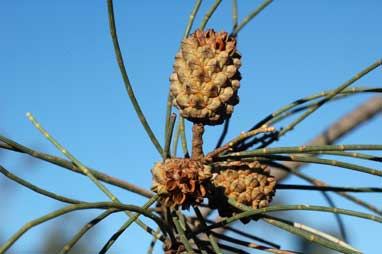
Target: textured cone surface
(248, 185)
(205, 80)
(180, 181)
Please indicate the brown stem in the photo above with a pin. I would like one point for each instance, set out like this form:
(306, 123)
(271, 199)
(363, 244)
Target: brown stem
(234, 141)
(197, 141)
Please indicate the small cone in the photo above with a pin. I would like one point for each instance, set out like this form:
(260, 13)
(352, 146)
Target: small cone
(248, 184)
(180, 182)
(205, 80)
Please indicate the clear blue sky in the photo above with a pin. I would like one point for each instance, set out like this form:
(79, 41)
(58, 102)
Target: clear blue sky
(57, 61)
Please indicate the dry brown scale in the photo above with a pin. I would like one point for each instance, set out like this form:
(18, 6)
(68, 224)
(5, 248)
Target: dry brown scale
(174, 249)
(206, 78)
(180, 182)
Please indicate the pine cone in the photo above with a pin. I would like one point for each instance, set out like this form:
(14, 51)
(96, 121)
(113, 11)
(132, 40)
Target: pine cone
(205, 80)
(180, 181)
(248, 184)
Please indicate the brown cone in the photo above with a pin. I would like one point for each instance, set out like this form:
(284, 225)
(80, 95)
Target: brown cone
(205, 80)
(180, 181)
(249, 184)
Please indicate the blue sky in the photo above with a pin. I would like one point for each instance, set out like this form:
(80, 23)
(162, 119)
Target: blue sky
(57, 62)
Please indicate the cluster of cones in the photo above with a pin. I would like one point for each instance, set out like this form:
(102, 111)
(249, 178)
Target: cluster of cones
(184, 182)
(204, 86)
